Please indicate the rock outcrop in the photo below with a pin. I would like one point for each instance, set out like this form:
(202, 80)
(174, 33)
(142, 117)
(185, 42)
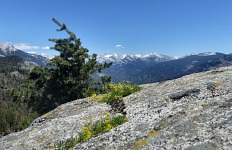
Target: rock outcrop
(193, 112)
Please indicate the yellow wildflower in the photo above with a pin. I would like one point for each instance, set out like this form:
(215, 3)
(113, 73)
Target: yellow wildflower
(108, 127)
(93, 97)
(88, 134)
(107, 113)
(111, 85)
(107, 121)
(99, 98)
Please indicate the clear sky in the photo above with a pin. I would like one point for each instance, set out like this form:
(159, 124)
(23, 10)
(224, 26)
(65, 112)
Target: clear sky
(171, 27)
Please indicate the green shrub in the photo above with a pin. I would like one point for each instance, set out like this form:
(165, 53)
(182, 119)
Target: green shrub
(115, 92)
(118, 121)
(92, 129)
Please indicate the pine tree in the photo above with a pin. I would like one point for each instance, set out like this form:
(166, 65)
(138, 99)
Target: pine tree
(67, 76)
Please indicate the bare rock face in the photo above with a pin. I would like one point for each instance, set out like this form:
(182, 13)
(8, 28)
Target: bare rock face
(62, 123)
(193, 112)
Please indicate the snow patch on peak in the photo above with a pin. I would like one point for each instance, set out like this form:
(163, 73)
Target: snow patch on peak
(207, 54)
(41, 54)
(152, 55)
(138, 55)
(200, 54)
(7, 47)
(110, 57)
(124, 58)
(177, 57)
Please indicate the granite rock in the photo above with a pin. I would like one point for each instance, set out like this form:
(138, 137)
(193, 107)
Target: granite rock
(201, 118)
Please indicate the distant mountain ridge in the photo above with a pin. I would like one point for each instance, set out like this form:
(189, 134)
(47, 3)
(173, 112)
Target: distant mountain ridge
(124, 58)
(155, 67)
(216, 63)
(8, 50)
(175, 68)
(126, 65)
(138, 68)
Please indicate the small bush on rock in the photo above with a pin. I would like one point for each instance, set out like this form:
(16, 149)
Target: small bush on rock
(114, 95)
(92, 129)
(101, 126)
(115, 92)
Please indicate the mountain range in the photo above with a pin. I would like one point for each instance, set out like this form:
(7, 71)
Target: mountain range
(141, 69)
(36, 59)
(126, 65)
(216, 63)
(136, 68)
(175, 68)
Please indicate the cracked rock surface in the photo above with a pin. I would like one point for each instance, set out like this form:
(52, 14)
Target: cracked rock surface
(184, 113)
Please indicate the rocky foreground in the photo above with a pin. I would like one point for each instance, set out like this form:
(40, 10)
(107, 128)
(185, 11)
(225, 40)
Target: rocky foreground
(193, 112)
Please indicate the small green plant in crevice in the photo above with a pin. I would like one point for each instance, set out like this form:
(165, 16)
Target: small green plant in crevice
(100, 126)
(69, 143)
(92, 129)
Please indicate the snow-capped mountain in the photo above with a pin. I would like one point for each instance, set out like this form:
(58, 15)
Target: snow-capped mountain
(127, 58)
(213, 64)
(153, 67)
(42, 54)
(177, 68)
(125, 65)
(8, 50)
(137, 68)
(199, 54)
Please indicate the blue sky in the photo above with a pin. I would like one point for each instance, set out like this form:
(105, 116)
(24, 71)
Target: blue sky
(171, 27)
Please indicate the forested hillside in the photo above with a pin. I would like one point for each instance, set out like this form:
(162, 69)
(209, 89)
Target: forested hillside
(13, 70)
(14, 112)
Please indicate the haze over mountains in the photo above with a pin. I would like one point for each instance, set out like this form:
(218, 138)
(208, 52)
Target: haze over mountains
(138, 68)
